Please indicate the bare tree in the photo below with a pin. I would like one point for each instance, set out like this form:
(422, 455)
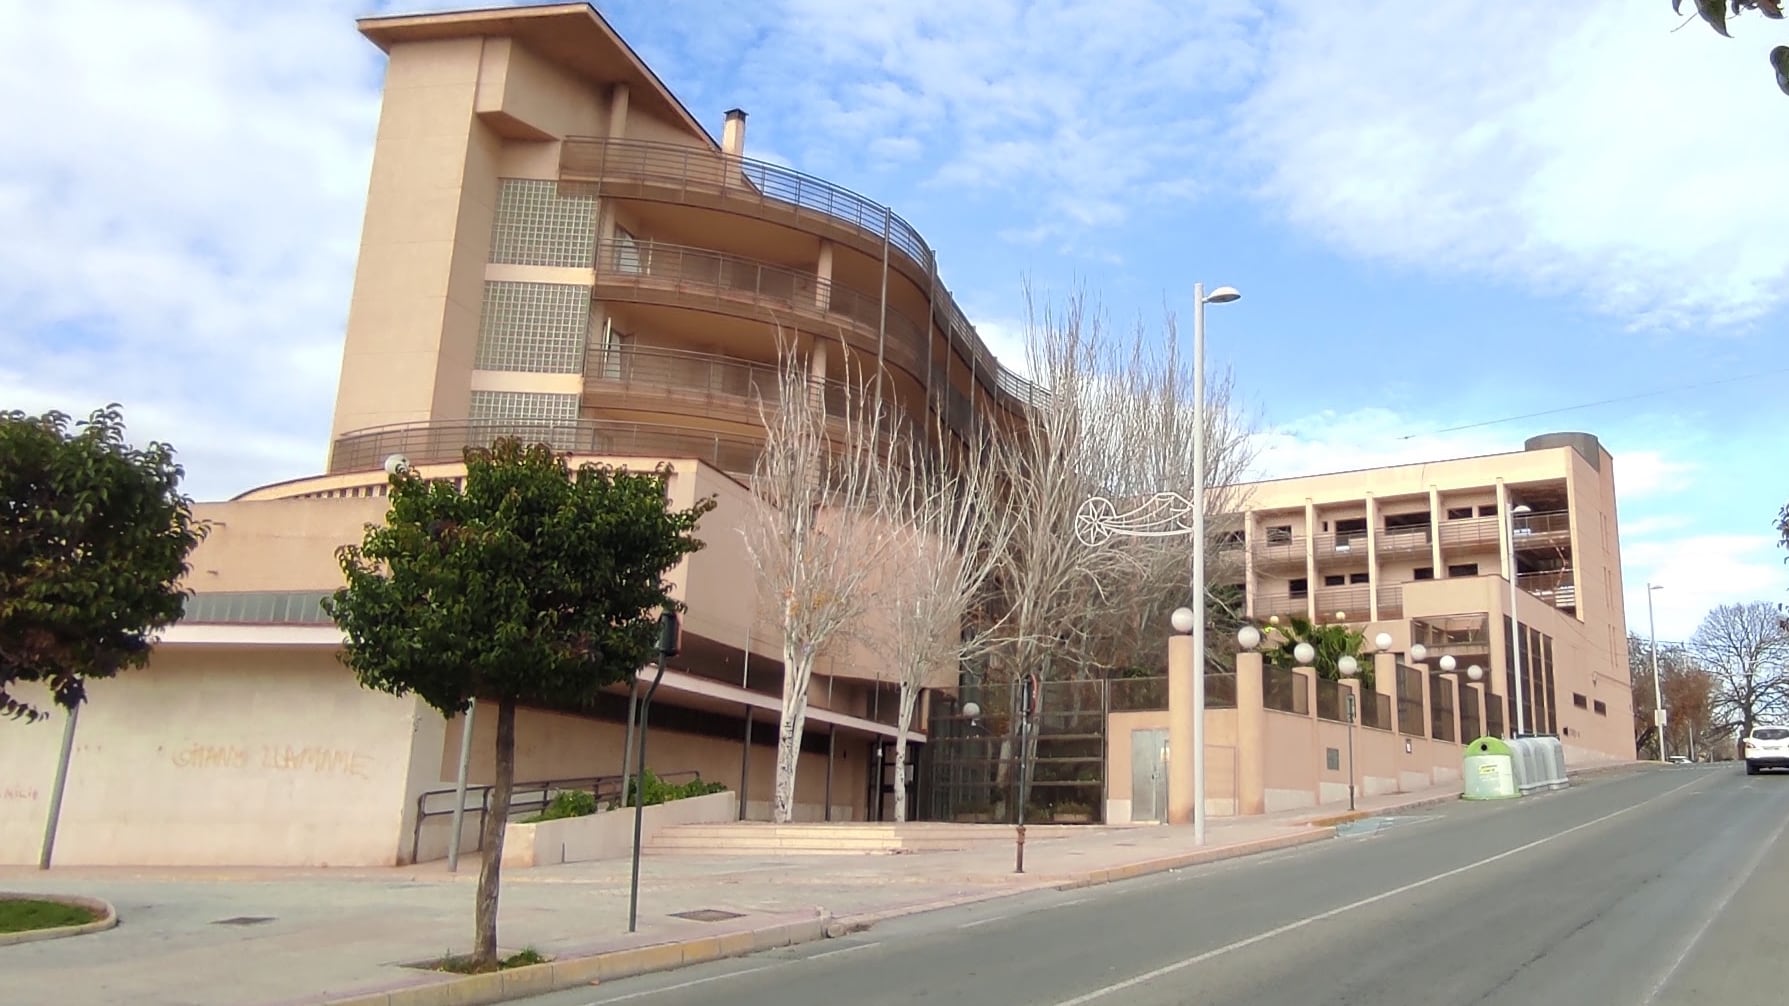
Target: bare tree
(1117, 422)
(951, 525)
(1690, 695)
(1746, 649)
(816, 532)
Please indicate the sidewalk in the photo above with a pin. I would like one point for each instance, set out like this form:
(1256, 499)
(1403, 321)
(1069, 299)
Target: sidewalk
(259, 937)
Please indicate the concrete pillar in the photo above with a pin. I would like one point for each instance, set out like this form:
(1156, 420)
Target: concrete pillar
(823, 277)
(1311, 580)
(617, 111)
(1503, 555)
(1182, 734)
(1251, 736)
(1250, 534)
(733, 133)
(1385, 682)
(1435, 524)
(1372, 558)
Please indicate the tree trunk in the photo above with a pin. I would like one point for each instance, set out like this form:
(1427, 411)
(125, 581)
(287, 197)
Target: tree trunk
(797, 672)
(909, 699)
(484, 952)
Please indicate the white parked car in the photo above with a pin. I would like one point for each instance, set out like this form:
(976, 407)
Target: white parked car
(1767, 747)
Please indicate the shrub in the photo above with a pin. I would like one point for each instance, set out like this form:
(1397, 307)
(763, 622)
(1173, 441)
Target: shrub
(659, 791)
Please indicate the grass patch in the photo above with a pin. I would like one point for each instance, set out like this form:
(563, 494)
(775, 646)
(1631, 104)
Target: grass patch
(464, 965)
(20, 915)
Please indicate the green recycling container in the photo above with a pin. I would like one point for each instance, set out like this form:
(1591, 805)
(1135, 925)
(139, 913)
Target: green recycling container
(1490, 771)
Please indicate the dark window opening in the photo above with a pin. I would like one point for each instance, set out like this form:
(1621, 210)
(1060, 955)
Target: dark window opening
(1463, 569)
(1423, 573)
(1299, 587)
(1357, 578)
(1334, 580)
(1458, 512)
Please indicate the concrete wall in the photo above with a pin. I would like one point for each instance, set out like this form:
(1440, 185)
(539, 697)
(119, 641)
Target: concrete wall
(608, 834)
(1220, 760)
(218, 757)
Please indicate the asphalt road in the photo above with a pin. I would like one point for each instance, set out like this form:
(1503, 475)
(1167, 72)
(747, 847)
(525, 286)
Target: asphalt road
(1661, 887)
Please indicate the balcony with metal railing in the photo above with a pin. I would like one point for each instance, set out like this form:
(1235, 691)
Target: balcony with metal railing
(1550, 529)
(1404, 541)
(653, 272)
(1278, 551)
(1556, 587)
(445, 442)
(674, 173)
(687, 383)
(1459, 635)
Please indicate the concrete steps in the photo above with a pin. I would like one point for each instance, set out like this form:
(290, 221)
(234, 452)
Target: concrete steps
(756, 838)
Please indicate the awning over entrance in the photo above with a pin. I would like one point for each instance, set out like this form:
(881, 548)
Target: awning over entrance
(718, 696)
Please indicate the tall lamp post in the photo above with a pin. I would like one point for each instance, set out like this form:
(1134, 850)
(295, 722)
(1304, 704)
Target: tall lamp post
(1349, 668)
(1658, 691)
(1222, 295)
(1515, 624)
(670, 643)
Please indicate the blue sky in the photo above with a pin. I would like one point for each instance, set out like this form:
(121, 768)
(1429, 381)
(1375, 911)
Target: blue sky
(1438, 218)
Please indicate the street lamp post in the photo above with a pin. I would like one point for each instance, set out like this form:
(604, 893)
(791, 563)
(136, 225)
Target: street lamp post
(670, 644)
(1349, 668)
(1161, 516)
(1222, 295)
(1515, 623)
(1658, 691)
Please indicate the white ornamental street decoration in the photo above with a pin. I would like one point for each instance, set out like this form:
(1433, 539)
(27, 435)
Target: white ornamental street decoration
(1163, 515)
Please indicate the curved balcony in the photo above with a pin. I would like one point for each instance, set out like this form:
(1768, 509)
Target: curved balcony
(445, 442)
(685, 383)
(673, 173)
(652, 272)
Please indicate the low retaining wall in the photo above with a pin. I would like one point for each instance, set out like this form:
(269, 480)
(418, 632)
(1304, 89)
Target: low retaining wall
(608, 834)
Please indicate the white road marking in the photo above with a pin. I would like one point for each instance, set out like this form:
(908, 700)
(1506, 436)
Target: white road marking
(680, 985)
(1713, 912)
(844, 950)
(1077, 901)
(983, 922)
(1181, 965)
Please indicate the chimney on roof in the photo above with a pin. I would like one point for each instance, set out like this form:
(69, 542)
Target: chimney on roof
(733, 134)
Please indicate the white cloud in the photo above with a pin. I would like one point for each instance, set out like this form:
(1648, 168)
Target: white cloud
(1094, 108)
(1699, 572)
(1579, 148)
(180, 212)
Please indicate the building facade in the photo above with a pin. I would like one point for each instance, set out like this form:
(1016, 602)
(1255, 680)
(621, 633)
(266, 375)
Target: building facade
(1426, 553)
(554, 247)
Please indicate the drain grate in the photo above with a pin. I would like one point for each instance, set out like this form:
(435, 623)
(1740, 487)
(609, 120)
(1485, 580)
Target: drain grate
(708, 915)
(244, 920)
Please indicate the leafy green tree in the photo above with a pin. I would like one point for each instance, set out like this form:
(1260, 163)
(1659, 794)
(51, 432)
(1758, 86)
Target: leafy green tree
(532, 584)
(94, 536)
(1717, 13)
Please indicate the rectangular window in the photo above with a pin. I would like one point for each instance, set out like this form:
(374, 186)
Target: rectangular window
(1423, 573)
(1459, 512)
(1299, 587)
(1601, 710)
(1581, 701)
(1357, 578)
(544, 222)
(627, 253)
(536, 327)
(1488, 510)
(1279, 534)
(1334, 580)
(1407, 521)
(526, 406)
(1463, 569)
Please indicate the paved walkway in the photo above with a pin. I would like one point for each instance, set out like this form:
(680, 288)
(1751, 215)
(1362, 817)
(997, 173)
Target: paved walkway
(256, 937)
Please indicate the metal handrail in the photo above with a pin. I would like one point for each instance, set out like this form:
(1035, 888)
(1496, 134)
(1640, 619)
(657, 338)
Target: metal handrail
(660, 266)
(713, 377)
(600, 160)
(445, 442)
(524, 797)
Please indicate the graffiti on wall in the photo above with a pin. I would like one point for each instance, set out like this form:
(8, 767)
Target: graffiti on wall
(310, 759)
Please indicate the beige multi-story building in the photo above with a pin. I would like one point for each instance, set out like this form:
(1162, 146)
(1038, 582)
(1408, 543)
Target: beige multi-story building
(1426, 553)
(554, 247)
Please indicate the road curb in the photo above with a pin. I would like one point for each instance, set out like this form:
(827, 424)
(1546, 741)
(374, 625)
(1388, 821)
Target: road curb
(577, 972)
(108, 917)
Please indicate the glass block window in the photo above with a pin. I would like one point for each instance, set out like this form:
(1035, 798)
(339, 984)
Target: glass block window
(532, 405)
(537, 327)
(542, 222)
